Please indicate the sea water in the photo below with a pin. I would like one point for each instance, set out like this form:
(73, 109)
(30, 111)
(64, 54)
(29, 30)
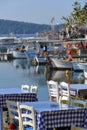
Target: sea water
(16, 72)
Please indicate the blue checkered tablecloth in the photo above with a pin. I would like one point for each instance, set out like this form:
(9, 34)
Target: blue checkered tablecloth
(15, 94)
(54, 116)
(64, 118)
(85, 120)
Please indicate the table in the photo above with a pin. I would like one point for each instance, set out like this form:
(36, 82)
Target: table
(77, 90)
(54, 115)
(14, 94)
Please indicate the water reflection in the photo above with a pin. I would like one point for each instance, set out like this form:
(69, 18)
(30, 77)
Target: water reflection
(72, 77)
(41, 73)
(20, 63)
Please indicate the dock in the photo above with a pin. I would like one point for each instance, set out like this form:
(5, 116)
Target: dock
(5, 56)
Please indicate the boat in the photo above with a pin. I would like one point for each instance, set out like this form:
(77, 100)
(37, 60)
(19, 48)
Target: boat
(18, 54)
(44, 48)
(85, 74)
(82, 65)
(60, 64)
(8, 42)
(76, 67)
(41, 58)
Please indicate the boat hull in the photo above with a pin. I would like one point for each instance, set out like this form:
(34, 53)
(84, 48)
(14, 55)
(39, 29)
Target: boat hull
(18, 55)
(60, 64)
(83, 66)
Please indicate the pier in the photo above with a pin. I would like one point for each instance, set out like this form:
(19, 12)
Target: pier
(5, 56)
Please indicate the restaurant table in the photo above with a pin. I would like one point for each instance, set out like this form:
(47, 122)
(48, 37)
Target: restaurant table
(14, 94)
(77, 90)
(80, 90)
(54, 115)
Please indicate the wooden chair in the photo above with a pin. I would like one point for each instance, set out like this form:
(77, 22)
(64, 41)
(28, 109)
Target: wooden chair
(14, 113)
(28, 118)
(25, 87)
(78, 102)
(77, 128)
(85, 106)
(65, 92)
(53, 90)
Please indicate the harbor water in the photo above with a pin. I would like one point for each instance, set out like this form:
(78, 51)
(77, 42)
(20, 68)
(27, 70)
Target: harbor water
(16, 72)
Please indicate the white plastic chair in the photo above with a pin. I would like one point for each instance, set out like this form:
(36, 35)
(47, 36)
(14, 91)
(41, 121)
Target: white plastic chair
(28, 118)
(14, 112)
(53, 89)
(25, 87)
(34, 89)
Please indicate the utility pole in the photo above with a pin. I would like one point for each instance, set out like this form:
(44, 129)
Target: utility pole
(52, 24)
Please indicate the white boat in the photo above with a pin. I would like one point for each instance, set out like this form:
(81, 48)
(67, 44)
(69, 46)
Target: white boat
(40, 60)
(31, 53)
(76, 67)
(42, 47)
(18, 54)
(60, 64)
(82, 65)
(8, 42)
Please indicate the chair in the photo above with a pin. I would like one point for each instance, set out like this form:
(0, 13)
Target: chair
(81, 103)
(65, 91)
(77, 128)
(53, 89)
(14, 112)
(73, 127)
(34, 88)
(28, 118)
(25, 87)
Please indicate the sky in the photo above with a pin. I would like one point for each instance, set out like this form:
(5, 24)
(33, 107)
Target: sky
(37, 11)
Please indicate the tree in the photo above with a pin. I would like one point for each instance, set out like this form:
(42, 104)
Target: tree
(78, 15)
(78, 18)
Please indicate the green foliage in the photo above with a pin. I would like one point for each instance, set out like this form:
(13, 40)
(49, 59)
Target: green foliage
(78, 17)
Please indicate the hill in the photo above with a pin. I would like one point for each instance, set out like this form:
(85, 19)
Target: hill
(8, 26)
(15, 27)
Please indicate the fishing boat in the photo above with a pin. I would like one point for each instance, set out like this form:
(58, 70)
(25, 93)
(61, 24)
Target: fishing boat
(18, 54)
(60, 64)
(44, 48)
(82, 65)
(76, 66)
(8, 42)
